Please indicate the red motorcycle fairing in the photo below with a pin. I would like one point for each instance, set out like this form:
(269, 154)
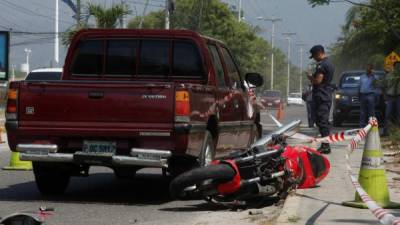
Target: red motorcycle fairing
(233, 185)
(315, 165)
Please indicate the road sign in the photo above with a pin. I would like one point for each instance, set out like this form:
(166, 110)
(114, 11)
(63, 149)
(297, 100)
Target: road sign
(4, 52)
(390, 60)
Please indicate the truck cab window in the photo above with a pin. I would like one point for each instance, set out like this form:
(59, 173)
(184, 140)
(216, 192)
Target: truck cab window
(219, 71)
(233, 72)
(154, 57)
(121, 57)
(187, 61)
(88, 59)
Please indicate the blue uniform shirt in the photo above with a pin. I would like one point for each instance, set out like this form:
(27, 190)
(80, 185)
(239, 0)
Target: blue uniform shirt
(325, 89)
(366, 84)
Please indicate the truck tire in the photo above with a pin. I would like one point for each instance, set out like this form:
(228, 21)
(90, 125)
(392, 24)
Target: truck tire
(50, 179)
(216, 174)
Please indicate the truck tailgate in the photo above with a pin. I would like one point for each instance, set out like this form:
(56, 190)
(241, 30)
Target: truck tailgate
(95, 104)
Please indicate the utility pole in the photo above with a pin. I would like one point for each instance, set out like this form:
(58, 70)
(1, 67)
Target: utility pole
(121, 19)
(301, 66)
(56, 40)
(273, 20)
(289, 39)
(27, 51)
(240, 11)
(144, 13)
(78, 13)
(13, 72)
(167, 14)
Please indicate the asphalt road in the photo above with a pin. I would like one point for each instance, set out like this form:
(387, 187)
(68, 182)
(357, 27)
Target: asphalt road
(103, 199)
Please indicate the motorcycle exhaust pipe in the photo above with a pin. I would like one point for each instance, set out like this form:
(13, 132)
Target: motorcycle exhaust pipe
(288, 129)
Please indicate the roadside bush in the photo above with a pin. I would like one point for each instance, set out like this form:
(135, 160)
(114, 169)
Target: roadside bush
(394, 134)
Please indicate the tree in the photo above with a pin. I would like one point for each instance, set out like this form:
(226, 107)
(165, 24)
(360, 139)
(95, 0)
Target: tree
(387, 10)
(107, 17)
(104, 17)
(367, 36)
(215, 19)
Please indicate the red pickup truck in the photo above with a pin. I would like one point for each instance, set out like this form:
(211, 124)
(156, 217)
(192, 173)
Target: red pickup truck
(130, 99)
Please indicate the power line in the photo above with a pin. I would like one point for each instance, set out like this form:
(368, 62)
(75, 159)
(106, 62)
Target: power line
(52, 9)
(28, 11)
(142, 3)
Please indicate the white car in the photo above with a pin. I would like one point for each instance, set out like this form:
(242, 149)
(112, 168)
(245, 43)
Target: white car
(295, 99)
(45, 74)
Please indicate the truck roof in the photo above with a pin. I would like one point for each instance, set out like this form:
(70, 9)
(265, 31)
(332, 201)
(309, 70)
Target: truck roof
(141, 32)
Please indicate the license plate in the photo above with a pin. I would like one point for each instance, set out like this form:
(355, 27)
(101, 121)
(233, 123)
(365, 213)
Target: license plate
(99, 147)
(269, 104)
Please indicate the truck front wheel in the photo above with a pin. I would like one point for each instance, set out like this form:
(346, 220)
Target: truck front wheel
(51, 179)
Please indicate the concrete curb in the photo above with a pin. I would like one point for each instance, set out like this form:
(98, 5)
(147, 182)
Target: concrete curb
(289, 213)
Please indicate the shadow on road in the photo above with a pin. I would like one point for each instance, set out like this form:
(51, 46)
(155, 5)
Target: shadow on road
(256, 203)
(145, 189)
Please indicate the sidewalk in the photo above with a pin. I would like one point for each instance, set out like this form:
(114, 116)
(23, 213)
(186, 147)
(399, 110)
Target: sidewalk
(322, 205)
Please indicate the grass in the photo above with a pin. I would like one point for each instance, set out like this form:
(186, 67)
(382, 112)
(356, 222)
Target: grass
(293, 219)
(394, 134)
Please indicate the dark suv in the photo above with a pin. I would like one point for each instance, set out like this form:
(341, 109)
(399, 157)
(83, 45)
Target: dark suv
(346, 107)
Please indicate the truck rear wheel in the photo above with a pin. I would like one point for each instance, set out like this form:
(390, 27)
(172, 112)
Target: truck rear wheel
(51, 179)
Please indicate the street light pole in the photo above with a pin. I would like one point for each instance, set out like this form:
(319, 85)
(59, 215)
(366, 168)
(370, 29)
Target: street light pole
(27, 51)
(56, 39)
(288, 37)
(167, 14)
(273, 21)
(240, 11)
(301, 66)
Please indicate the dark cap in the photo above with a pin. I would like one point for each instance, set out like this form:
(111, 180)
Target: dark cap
(315, 49)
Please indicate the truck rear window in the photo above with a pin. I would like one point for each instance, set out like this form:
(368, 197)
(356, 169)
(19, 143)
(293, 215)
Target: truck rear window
(89, 58)
(154, 57)
(150, 58)
(121, 57)
(187, 61)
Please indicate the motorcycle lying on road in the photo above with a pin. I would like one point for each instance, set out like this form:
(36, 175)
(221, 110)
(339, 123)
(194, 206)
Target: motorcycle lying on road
(263, 170)
(27, 217)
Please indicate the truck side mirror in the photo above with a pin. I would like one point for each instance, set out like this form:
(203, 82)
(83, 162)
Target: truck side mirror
(254, 79)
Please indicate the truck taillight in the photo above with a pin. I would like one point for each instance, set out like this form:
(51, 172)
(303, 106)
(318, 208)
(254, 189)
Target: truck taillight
(182, 106)
(12, 98)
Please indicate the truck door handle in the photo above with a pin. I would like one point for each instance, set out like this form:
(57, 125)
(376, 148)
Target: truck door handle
(96, 94)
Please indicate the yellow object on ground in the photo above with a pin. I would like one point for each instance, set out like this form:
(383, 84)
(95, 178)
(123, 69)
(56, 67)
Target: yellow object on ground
(17, 164)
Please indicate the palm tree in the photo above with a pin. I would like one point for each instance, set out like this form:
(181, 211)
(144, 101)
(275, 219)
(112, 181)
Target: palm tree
(105, 18)
(352, 18)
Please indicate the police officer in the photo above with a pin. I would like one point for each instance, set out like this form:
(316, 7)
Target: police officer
(322, 92)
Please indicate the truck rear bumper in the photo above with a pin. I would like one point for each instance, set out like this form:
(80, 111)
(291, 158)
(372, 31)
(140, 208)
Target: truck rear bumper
(138, 157)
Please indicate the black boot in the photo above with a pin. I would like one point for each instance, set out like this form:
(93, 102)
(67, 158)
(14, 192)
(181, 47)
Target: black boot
(325, 148)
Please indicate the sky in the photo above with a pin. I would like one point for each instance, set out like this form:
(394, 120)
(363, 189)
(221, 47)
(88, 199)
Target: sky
(320, 25)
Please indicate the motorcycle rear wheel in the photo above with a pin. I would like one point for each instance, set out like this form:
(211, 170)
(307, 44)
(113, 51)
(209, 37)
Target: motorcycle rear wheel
(211, 174)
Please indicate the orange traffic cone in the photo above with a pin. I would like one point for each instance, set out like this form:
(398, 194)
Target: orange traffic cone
(280, 114)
